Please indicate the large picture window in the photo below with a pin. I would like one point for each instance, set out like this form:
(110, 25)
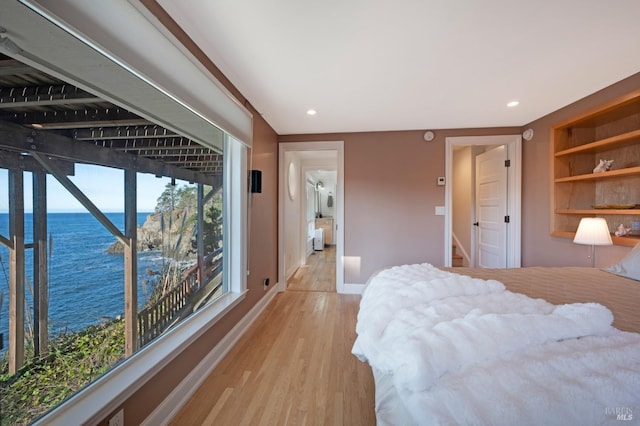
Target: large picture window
(122, 220)
(85, 289)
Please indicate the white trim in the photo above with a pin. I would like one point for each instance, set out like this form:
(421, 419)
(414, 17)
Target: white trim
(353, 288)
(339, 216)
(291, 270)
(93, 403)
(459, 246)
(236, 196)
(514, 150)
(170, 406)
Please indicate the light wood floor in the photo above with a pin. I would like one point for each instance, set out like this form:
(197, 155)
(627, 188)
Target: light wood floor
(318, 274)
(293, 367)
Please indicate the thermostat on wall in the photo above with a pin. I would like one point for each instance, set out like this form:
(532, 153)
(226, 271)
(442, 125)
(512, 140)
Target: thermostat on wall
(440, 180)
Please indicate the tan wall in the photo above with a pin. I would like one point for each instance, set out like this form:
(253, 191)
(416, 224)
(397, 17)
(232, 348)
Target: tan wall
(391, 193)
(390, 197)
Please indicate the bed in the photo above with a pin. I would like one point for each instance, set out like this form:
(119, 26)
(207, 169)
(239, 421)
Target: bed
(518, 346)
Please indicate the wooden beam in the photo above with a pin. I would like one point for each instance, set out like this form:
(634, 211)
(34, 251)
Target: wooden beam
(6, 242)
(14, 67)
(159, 144)
(40, 266)
(130, 264)
(211, 193)
(93, 116)
(123, 133)
(45, 95)
(177, 151)
(88, 124)
(48, 102)
(17, 138)
(200, 234)
(79, 195)
(16, 161)
(16, 271)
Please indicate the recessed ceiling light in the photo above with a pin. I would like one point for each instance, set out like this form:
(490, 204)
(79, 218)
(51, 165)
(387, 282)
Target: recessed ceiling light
(513, 104)
(311, 112)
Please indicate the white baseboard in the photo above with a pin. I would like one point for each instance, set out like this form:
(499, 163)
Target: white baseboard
(292, 270)
(352, 288)
(163, 414)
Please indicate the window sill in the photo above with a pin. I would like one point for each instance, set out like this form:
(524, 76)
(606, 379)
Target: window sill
(93, 403)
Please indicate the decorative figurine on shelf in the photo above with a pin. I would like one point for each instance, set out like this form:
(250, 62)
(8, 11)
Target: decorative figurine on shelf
(622, 231)
(603, 166)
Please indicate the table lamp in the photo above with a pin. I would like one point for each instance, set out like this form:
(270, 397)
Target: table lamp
(593, 231)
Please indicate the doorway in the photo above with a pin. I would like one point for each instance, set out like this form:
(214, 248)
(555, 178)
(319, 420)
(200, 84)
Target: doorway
(318, 270)
(511, 240)
(309, 200)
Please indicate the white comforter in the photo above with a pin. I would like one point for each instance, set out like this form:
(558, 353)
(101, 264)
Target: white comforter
(466, 351)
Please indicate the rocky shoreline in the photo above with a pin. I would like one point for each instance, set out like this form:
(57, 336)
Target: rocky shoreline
(169, 232)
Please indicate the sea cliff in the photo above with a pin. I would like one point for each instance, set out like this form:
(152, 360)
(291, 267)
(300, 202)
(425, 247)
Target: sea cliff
(172, 232)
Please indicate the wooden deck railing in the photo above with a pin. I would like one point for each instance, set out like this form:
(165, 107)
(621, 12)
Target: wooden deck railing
(154, 320)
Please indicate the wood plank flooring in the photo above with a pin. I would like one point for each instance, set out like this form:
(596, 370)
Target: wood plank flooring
(293, 367)
(318, 274)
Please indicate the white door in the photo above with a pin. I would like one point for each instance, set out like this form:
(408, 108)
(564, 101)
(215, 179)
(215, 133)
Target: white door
(491, 208)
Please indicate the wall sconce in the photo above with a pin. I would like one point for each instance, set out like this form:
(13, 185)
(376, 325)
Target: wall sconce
(527, 135)
(256, 181)
(593, 231)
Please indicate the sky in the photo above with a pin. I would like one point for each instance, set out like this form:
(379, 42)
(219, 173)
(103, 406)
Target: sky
(104, 186)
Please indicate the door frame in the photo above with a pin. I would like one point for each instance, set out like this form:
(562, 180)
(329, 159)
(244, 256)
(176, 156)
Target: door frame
(513, 144)
(337, 146)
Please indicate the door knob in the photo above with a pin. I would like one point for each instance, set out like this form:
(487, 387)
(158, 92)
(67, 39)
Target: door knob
(476, 223)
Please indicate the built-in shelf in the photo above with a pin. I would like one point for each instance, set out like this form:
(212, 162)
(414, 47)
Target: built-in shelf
(628, 138)
(593, 212)
(629, 241)
(603, 175)
(610, 132)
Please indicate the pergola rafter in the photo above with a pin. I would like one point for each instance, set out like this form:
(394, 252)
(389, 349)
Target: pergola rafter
(46, 127)
(22, 140)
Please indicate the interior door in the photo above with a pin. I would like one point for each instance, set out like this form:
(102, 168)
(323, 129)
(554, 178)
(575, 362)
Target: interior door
(491, 208)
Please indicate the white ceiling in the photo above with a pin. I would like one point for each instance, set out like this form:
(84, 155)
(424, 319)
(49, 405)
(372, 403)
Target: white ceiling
(372, 65)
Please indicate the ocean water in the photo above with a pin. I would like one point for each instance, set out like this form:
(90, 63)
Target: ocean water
(86, 285)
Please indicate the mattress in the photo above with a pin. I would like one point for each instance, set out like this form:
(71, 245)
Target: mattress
(559, 285)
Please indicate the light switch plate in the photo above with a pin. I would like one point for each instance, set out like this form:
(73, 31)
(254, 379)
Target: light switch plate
(441, 181)
(439, 210)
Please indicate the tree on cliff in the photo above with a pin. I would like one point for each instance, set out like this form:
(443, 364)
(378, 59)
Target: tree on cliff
(212, 229)
(183, 197)
(176, 197)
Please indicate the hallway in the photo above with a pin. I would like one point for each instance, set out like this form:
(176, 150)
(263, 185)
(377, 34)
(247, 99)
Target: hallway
(319, 274)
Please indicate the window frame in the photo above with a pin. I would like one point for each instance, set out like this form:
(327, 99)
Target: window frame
(101, 397)
(45, 36)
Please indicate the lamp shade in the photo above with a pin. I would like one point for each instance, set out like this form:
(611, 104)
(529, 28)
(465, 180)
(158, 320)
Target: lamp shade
(593, 231)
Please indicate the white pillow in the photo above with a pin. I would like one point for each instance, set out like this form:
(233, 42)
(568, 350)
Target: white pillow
(629, 266)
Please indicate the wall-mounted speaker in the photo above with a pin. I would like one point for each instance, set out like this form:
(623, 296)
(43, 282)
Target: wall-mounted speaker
(527, 135)
(256, 181)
